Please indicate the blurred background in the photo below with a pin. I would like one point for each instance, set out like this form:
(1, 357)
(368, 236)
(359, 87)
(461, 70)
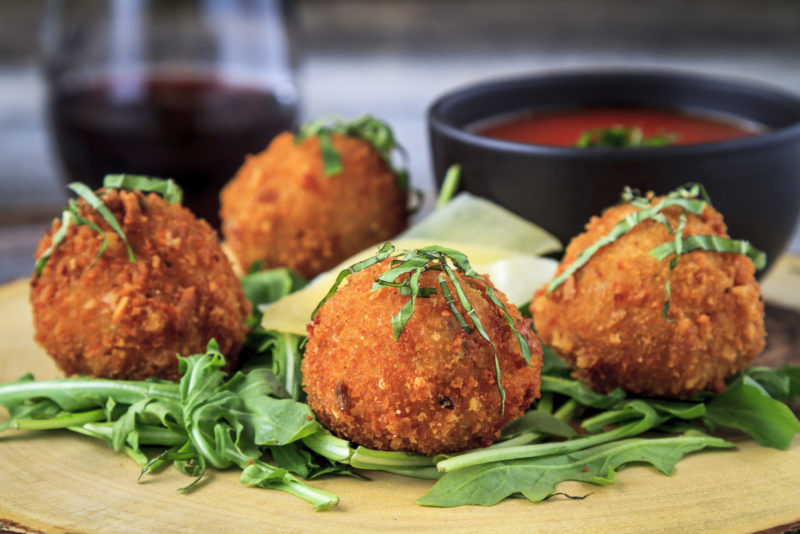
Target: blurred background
(391, 58)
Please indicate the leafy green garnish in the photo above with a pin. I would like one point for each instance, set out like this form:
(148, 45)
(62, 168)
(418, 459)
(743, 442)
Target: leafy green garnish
(536, 479)
(71, 214)
(623, 137)
(168, 189)
(374, 131)
(411, 265)
(686, 198)
(206, 420)
(277, 351)
(264, 287)
(713, 243)
(209, 420)
(747, 406)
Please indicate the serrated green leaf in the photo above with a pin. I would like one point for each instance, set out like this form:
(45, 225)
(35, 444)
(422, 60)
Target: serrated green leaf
(536, 479)
(747, 406)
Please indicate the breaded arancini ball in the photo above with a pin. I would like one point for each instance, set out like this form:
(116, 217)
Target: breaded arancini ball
(433, 390)
(115, 318)
(606, 319)
(281, 209)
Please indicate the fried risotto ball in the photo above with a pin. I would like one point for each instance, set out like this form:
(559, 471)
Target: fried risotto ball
(606, 320)
(282, 210)
(433, 390)
(115, 318)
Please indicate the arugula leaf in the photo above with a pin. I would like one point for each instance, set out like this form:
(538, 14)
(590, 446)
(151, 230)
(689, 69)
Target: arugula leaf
(576, 390)
(782, 384)
(536, 479)
(648, 419)
(206, 419)
(294, 459)
(540, 422)
(747, 406)
(266, 287)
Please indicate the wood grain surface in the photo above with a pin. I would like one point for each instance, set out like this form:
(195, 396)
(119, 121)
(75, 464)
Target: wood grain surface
(62, 482)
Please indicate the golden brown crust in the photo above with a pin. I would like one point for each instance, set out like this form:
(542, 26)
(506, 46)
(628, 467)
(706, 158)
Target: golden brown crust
(606, 319)
(129, 320)
(282, 210)
(433, 390)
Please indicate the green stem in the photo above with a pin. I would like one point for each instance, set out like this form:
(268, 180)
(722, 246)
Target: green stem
(326, 444)
(365, 458)
(523, 439)
(60, 421)
(449, 185)
(596, 423)
(136, 455)
(320, 500)
(148, 434)
(547, 449)
(73, 394)
(568, 410)
(545, 403)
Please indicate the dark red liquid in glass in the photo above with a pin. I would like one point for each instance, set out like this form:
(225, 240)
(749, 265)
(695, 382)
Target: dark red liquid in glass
(195, 129)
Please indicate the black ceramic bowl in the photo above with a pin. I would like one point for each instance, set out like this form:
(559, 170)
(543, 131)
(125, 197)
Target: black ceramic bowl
(754, 181)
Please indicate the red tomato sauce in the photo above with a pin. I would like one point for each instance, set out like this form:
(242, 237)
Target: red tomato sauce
(563, 127)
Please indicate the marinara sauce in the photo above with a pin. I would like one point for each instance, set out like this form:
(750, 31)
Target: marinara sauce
(563, 127)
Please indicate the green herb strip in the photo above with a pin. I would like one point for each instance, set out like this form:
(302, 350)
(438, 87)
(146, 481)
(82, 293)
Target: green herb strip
(168, 189)
(376, 132)
(331, 158)
(433, 258)
(678, 247)
(71, 214)
(712, 243)
(382, 254)
(684, 197)
(58, 237)
(88, 195)
(623, 227)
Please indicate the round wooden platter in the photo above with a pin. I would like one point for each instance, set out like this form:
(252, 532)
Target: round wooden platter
(64, 482)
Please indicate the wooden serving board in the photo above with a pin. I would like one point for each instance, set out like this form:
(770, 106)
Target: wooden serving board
(63, 482)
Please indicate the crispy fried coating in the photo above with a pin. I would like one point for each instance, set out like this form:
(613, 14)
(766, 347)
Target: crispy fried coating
(433, 390)
(117, 319)
(606, 319)
(281, 209)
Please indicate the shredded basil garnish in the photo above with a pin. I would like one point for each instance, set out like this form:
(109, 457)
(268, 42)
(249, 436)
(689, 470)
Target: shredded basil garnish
(433, 258)
(171, 192)
(623, 137)
(374, 131)
(168, 189)
(685, 197)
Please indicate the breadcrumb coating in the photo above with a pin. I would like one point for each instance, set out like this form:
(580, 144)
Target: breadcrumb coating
(282, 210)
(606, 319)
(119, 319)
(433, 390)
